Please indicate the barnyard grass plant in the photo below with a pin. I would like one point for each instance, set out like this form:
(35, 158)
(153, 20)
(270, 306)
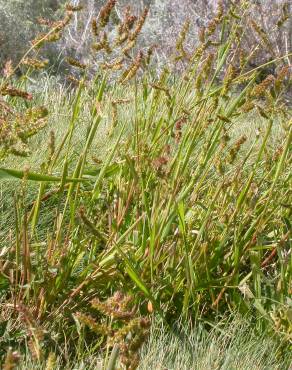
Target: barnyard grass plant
(150, 189)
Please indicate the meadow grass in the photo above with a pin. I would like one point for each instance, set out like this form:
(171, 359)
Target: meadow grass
(230, 344)
(147, 197)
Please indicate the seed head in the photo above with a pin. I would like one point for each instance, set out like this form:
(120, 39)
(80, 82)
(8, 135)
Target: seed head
(14, 92)
(35, 63)
(140, 24)
(94, 27)
(105, 12)
(262, 87)
(75, 63)
(72, 8)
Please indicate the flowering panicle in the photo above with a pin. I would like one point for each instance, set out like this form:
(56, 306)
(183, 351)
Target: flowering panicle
(92, 324)
(128, 47)
(16, 128)
(235, 148)
(115, 65)
(181, 40)
(35, 63)
(73, 79)
(129, 73)
(149, 54)
(14, 92)
(216, 20)
(125, 27)
(75, 63)
(94, 27)
(127, 331)
(103, 44)
(45, 22)
(115, 104)
(262, 87)
(44, 37)
(105, 12)
(284, 73)
(178, 127)
(55, 33)
(228, 78)
(72, 8)
(140, 24)
(263, 36)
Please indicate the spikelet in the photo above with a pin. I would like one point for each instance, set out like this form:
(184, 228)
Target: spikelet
(74, 80)
(235, 148)
(132, 70)
(228, 78)
(52, 144)
(247, 106)
(91, 323)
(262, 87)
(211, 27)
(178, 128)
(149, 54)
(35, 63)
(75, 63)
(115, 65)
(140, 24)
(72, 8)
(45, 22)
(103, 44)
(207, 66)
(43, 38)
(219, 166)
(262, 35)
(181, 40)
(182, 36)
(60, 25)
(112, 309)
(285, 72)
(51, 361)
(234, 14)
(14, 92)
(105, 12)
(128, 20)
(125, 27)
(94, 27)
(115, 104)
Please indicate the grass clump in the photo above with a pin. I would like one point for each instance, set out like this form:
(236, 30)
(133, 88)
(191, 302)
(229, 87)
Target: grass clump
(150, 190)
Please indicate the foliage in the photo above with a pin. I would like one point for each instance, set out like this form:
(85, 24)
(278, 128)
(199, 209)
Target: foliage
(179, 211)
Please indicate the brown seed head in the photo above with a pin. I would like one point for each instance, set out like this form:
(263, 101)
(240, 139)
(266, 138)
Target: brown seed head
(105, 12)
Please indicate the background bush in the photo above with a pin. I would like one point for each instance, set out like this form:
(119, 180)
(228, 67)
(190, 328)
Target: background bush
(18, 25)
